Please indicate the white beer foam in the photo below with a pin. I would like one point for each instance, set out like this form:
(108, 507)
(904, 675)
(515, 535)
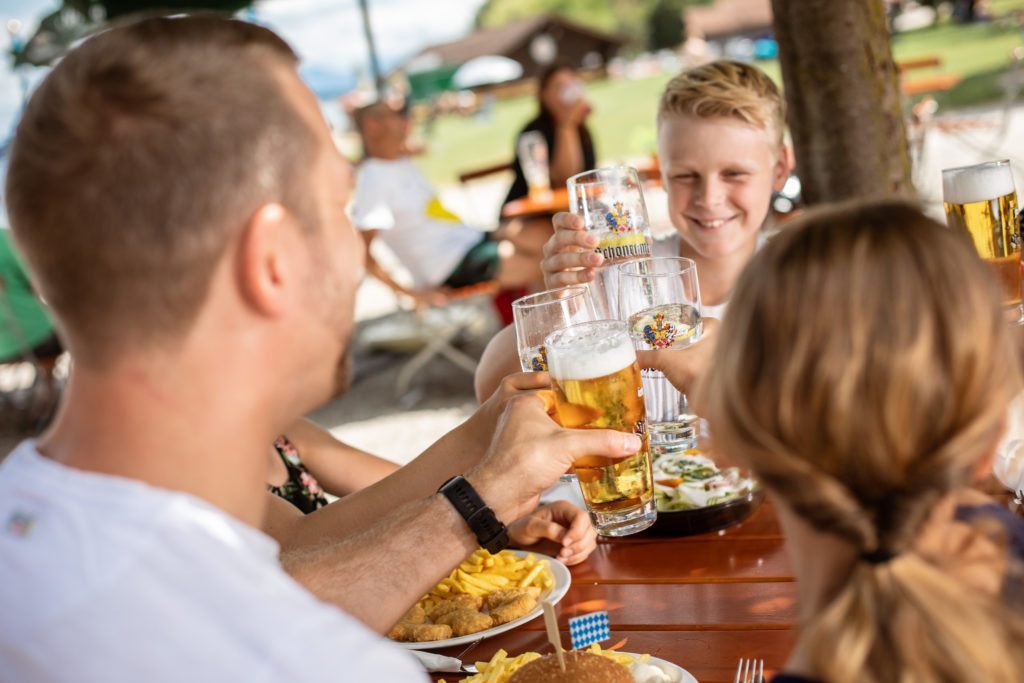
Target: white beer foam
(976, 183)
(596, 352)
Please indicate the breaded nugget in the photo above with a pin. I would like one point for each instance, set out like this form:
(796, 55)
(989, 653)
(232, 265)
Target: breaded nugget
(513, 608)
(465, 621)
(504, 595)
(419, 633)
(415, 615)
(456, 601)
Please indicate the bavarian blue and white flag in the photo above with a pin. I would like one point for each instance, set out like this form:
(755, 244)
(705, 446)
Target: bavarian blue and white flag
(588, 629)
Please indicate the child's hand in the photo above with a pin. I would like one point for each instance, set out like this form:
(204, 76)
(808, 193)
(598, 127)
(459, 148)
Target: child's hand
(569, 256)
(561, 522)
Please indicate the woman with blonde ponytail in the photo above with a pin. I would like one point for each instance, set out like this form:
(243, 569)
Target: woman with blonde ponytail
(863, 372)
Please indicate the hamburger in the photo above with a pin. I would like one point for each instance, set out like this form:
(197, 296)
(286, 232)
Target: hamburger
(580, 667)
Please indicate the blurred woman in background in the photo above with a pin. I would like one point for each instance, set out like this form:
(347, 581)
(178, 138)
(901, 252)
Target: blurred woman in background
(562, 122)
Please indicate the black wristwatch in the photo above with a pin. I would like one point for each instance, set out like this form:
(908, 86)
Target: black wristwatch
(491, 534)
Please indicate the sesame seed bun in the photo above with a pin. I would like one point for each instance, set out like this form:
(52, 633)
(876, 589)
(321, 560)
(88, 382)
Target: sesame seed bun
(580, 667)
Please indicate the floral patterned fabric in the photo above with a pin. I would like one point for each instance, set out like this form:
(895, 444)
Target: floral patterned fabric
(302, 489)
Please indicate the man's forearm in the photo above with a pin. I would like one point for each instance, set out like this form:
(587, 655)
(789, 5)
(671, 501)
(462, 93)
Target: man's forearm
(376, 575)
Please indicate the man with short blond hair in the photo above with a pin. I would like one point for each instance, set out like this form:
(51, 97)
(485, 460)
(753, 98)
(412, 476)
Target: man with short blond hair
(176, 194)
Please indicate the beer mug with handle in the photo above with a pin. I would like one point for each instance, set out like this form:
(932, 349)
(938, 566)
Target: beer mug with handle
(596, 383)
(659, 298)
(611, 203)
(981, 203)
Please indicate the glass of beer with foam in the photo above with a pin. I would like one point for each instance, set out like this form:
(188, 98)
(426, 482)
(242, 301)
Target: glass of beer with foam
(981, 202)
(596, 382)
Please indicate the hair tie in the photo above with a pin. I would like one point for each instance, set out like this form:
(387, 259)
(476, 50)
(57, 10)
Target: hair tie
(878, 556)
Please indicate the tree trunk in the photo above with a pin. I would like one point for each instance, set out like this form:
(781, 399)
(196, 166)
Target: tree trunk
(842, 90)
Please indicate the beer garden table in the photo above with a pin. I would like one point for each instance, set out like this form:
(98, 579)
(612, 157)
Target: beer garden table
(530, 207)
(701, 602)
(558, 199)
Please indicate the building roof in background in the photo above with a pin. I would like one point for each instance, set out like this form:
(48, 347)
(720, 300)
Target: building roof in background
(727, 18)
(507, 39)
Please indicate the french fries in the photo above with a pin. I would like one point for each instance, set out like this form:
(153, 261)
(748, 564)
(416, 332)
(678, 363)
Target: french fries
(483, 573)
(501, 667)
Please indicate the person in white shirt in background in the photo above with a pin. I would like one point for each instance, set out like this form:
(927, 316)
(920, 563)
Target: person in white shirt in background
(394, 201)
(180, 205)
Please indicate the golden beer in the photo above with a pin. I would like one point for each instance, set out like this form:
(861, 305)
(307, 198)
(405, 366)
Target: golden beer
(596, 382)
(980, 202)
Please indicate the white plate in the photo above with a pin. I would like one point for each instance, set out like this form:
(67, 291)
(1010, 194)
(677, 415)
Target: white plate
(683, 676)
(562, 581)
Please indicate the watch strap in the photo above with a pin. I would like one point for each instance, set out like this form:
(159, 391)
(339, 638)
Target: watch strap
(490, 533)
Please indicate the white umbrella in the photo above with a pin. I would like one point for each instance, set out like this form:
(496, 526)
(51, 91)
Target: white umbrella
(486, 70)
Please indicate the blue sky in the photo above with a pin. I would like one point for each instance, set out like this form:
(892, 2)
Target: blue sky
(326, 33)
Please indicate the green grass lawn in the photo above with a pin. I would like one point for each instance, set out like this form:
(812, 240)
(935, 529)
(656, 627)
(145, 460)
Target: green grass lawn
(624, 111)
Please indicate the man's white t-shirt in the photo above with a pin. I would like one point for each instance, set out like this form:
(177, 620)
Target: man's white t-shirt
(108, 579)
(394, 197)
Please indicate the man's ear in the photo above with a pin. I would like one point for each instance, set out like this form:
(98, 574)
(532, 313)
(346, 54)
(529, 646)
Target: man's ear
(266, 270)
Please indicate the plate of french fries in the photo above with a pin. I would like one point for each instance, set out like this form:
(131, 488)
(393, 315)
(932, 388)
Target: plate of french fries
(482, 597)
(501, 666)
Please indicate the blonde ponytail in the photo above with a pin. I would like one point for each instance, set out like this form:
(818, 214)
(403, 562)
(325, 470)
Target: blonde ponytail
(863, 370)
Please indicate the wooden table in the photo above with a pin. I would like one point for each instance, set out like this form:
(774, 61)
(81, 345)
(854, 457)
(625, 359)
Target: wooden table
(558, 199)
(527, 207)
(701, 601)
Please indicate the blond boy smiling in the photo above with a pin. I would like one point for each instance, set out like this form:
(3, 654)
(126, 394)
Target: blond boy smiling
(721, 150)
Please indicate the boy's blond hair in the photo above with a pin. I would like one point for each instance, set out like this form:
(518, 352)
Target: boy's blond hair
(726, 88)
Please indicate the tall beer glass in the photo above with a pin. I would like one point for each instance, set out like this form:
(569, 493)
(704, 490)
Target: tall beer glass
(659, 298)
(533, 158)
(981, 202)
(537, 315)
(596, 383)
(611, 203)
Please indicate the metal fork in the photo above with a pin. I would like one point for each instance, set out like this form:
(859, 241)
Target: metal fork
(468, 668)
(750, 671)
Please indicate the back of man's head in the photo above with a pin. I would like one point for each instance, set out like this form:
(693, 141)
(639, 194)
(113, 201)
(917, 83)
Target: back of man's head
(139, 159)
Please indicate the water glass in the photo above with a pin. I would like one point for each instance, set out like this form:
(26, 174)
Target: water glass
(659, 298)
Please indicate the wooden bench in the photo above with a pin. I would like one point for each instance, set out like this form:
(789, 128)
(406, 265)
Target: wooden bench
(928, 62)
(940, 82)
(926, 84)
(484, 172)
